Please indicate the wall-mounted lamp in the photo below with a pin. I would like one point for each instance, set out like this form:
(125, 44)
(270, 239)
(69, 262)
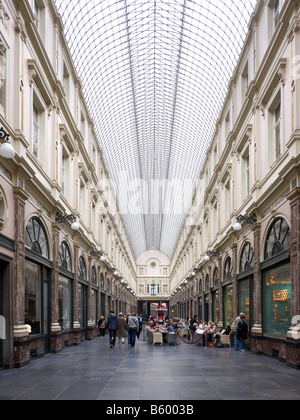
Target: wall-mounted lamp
(251, 220)
(6, 150)
(63, 219)
(96, 254)
(195, 271)
(211, 254)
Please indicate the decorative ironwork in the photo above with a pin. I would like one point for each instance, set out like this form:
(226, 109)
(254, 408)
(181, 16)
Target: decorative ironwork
(4, 135)
(63, 219)
(251, 220)
(213, 253)
(97, 253)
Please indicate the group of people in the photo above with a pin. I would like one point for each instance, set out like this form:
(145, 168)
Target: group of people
(157, 327)
(208, 331)
(131, 325)
(120, 327)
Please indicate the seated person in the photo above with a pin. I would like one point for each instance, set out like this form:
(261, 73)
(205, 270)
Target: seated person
(170, 327)
(228, 330)
(149, 327)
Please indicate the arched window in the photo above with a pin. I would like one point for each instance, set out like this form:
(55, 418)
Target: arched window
(102, 286)
(82, 268)
(247, 257)
(216, 277)
(108, 284)
(94, 276)
(207, 283)
(65, 256)
(200, 287)
(227, 269)
(36, 238)
(278, 238)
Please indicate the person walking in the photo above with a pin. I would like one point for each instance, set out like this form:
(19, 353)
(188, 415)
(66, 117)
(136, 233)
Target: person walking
(121, 334)
(133, 325)
(112, 325)
(140, 327)
(235, 331)
(101, 327)
(128, 315)
(242, 333)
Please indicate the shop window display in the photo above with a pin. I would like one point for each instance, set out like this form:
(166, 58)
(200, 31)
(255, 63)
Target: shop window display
(246, 299)
(228, 299)
(215, 302)
(277, 300)
(64, 303)
(277, 281)
(33, 306)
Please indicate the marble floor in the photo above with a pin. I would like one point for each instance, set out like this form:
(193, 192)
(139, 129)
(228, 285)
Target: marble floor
(93, 371)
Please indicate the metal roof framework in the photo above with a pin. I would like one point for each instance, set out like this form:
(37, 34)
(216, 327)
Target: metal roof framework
(155, 75)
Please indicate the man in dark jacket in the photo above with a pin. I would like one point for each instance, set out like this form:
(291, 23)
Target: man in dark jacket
(112, 325)
(242, 333)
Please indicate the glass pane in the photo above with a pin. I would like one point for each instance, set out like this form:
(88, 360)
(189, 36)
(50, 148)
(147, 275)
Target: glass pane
(93, 306)
(215, 307)
(80, 305)
(155, 76)
(244, 300)
(33, 299)
(277, 300)
(228, 306)
(64, 303)
(46, 297)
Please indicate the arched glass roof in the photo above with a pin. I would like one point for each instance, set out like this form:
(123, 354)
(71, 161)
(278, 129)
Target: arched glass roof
(155, 74)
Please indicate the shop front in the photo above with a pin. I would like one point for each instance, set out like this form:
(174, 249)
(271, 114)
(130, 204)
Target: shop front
(37, 285)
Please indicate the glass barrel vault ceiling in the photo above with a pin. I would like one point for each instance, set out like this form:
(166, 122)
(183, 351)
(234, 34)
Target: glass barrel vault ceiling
(155, 74)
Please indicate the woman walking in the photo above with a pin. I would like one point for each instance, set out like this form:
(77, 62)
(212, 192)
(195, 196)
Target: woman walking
(133, 325)
(101, 327)
(122, 328)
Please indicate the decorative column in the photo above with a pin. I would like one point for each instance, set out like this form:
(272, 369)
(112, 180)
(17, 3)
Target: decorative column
(76, 323)
(21, 335)
(55, 327)
(221, 312)
(90, 324)
(235, 309)
(257, 329)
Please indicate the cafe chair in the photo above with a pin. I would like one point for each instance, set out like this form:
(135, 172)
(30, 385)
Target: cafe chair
(149, 337)
(225, 339)
(157, 338)
(172, 338)
(184, 332)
